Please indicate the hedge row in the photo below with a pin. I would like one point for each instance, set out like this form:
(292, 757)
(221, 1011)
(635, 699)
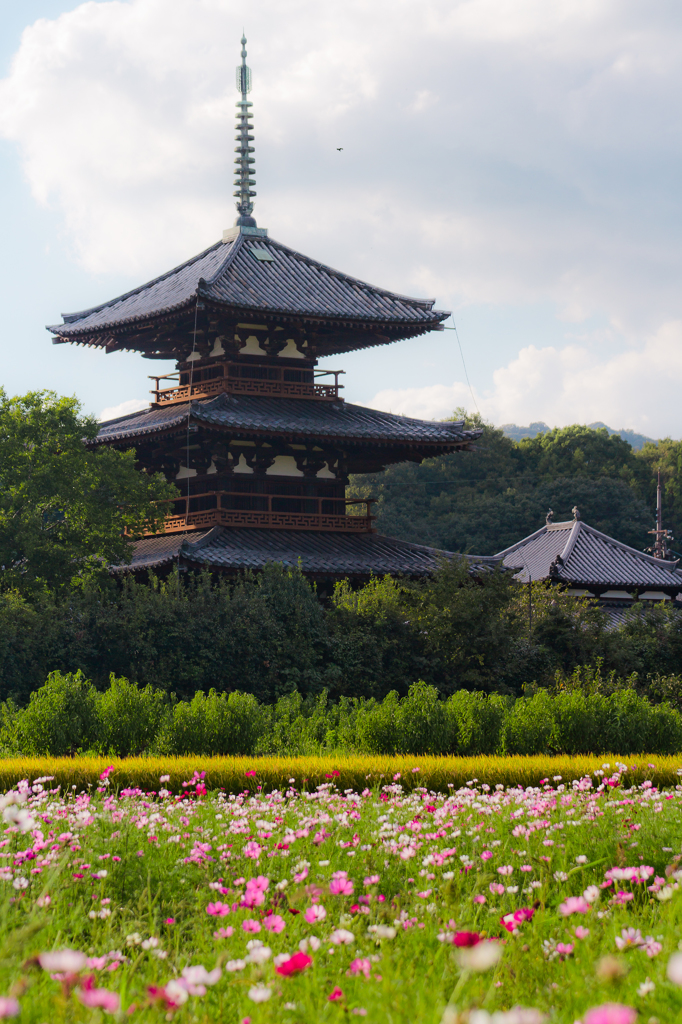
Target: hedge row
(69, 715)
(237, 774)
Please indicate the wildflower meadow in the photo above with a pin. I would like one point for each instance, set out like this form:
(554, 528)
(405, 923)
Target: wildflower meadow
(476, 904)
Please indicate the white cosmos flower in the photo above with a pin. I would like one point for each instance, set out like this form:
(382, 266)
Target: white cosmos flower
(63, 961)
(674, 968)
(480, 957)
(260, 993)
(235, 965)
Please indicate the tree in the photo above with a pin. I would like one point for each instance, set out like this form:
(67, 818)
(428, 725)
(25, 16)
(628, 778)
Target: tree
(483, 501)
(67, 508)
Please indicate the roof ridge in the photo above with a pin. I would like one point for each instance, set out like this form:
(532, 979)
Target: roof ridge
(234, 247)
(567, 550)
(70, 318)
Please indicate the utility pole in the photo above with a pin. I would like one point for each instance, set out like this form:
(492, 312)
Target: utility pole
(661, 536)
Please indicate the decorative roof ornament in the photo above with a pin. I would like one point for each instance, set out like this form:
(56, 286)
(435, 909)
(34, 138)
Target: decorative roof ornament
(550, 516)
(244, 161)
(576, 513)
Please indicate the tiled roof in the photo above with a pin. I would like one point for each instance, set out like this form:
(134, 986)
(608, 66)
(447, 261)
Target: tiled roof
(321, 554)
(230, 274)
(576, 553)
(265, 416)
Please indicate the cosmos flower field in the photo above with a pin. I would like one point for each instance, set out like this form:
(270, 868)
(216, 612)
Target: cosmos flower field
(478, 905)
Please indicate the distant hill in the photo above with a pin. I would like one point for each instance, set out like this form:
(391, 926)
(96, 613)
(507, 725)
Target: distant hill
(517, 433)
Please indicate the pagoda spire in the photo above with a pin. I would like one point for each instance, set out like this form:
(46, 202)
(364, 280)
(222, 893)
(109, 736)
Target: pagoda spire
(244, 162)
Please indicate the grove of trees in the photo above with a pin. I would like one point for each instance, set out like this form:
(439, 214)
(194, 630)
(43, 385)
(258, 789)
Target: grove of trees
(483, 501)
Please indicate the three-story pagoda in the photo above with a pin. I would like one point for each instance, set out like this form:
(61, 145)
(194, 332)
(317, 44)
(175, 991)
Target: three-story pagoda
(256, 435)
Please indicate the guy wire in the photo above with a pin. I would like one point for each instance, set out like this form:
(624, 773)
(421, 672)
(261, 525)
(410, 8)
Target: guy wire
(454, 328)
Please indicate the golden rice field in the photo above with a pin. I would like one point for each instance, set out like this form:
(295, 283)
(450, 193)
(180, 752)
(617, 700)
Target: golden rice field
(357, 772)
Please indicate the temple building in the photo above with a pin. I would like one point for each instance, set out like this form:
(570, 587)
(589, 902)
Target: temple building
(257, 435)
(588, 563)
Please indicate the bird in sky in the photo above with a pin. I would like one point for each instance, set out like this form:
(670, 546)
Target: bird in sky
(339, 148)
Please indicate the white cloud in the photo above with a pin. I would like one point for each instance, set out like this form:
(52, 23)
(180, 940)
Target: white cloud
(123, 409)
(636, 389)
(512, 152)
(493, 150)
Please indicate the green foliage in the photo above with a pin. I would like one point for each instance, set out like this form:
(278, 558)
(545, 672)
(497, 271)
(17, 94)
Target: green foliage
(61, 716)
(67, 714)
(64, 506)
(484, 501)
(268, 634)
(215, 724)
(129, 717)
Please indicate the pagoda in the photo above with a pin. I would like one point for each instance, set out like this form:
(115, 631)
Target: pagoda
(255, 434)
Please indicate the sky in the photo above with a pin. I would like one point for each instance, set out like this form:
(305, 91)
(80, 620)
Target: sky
(517, 160)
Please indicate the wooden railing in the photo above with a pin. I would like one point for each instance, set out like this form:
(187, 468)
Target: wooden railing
(246, 379)
(202, 511)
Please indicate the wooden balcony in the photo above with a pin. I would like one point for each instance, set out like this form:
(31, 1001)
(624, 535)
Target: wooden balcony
(266, 511)
(246, 379)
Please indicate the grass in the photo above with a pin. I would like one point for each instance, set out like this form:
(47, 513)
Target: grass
(356, 772)
(190, 908)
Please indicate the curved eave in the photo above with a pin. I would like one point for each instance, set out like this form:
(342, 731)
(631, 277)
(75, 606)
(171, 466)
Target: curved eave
(252, 433)
(399, 329)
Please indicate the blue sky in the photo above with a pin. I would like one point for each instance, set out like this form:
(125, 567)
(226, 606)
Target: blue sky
(518, 161)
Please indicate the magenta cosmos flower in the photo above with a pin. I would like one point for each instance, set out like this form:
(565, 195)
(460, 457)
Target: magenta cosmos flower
(294, 965)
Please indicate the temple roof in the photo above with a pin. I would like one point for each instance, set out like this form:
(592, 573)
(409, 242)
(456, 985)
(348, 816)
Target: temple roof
(261, 417)
(318, 554)
(255, 275)
(575, 553)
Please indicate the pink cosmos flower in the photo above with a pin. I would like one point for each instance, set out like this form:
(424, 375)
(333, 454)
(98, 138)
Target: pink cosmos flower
(315, 913)
(250, 775)
(464, 940)
(88, 995)
(216, 910)
(250, 925)
(506, 869)
(574, 905)
(496, 888)
(480, 899)
(610, 1013)
(9, 1007)
(274, 923)
(300, 876)
(425, 894)
(223, 933)
(335, 994)
(628, 938)
(340, 884)
(581, 933)
(255, 891)
(371, 880)
(360, 966)
(252, 850)
(169, 920)
(487, 855)
(294, 965)
(564, 948)
(651, 947)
